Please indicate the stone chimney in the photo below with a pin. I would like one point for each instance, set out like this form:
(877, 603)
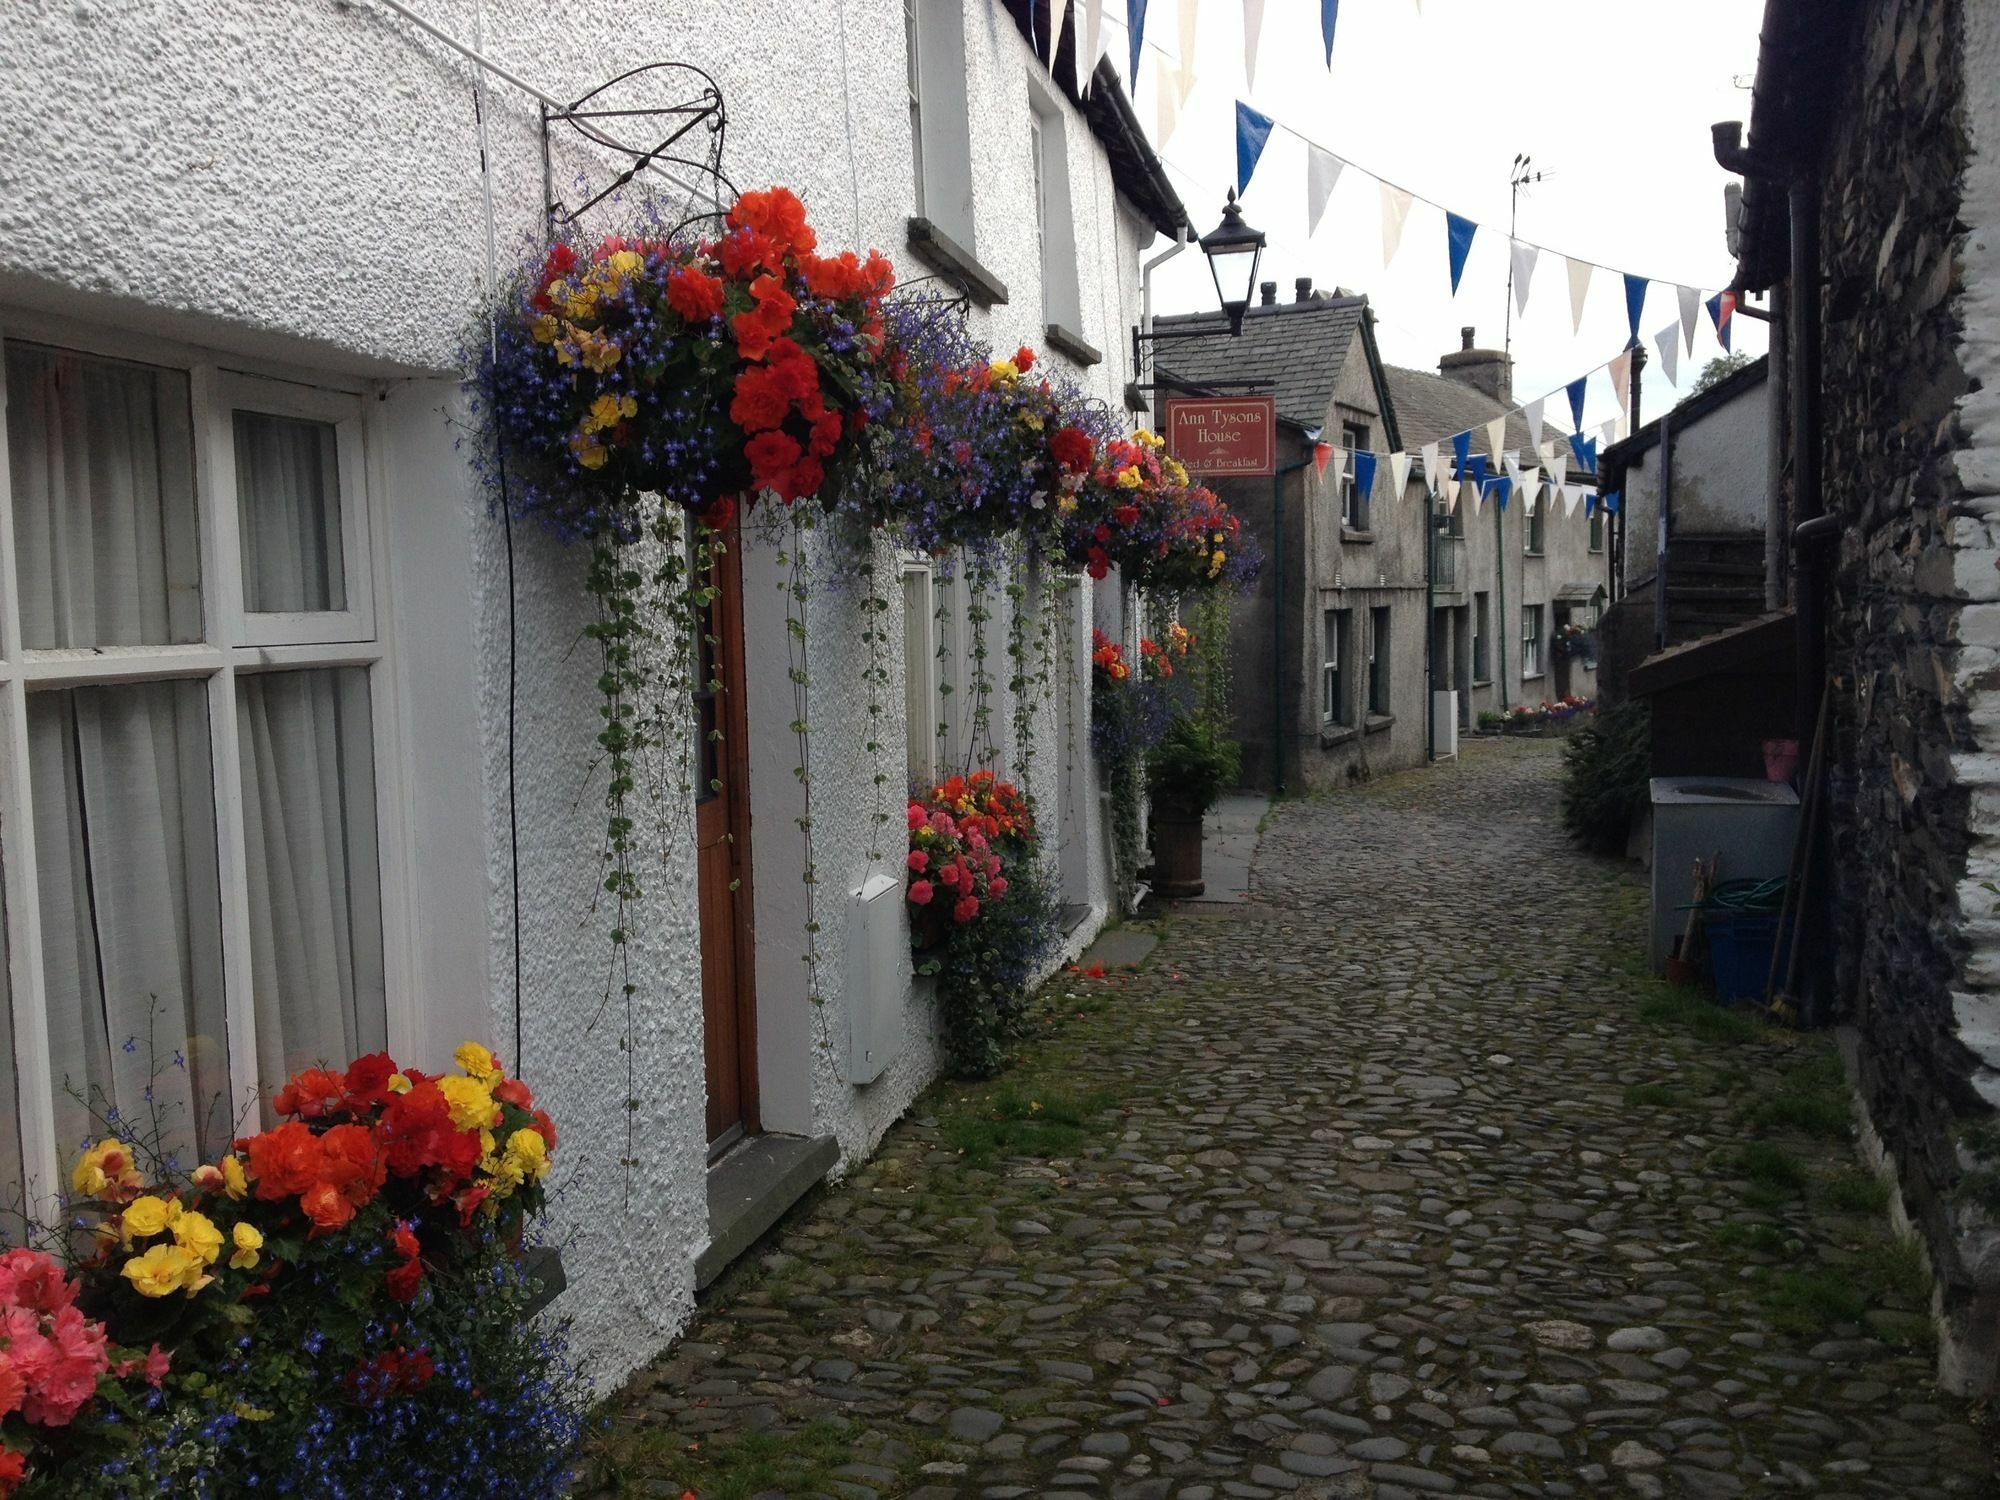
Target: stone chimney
(1485, 370)
(1302, 289)
(1267, 294)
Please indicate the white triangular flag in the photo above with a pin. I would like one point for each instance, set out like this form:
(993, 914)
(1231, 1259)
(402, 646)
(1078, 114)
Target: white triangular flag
(1433, 480)
(1496, 437)
(1253, 22)
(1559, 469)
(1690, 311)
(1668, 342)
(1525, 256)
(1057, 10)
(1533, 412)
(1579, 288)
(1571, 494)
(1322, 172)
(1621, 378)
(1395, 209)
(1399, 471)
(1608, 434)
(1186, 49)
(1530, 487)
(1093, 37)
(1478, 492)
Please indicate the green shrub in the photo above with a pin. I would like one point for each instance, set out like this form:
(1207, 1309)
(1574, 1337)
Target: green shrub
(1193, 764)
(1606, 766)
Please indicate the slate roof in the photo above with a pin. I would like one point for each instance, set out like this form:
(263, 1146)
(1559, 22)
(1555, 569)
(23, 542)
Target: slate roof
(1435, 408)
(1294, 350)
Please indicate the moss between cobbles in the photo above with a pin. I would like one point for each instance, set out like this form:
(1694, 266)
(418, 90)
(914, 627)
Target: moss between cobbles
(734, 1466)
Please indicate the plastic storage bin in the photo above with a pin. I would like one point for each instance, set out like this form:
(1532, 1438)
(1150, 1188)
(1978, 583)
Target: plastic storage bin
(1739, 950)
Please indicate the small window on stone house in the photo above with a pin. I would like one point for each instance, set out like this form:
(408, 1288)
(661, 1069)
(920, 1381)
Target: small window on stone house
(1353, 504)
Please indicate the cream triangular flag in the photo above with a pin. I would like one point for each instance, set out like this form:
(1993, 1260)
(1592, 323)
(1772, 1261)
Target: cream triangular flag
(1433, 480)
(1533, 412)
(1058, 9)
(1093, 48)
(1166, 104)
(1187, 33)
(1253, 23)
(1395, 209)
(1608, 434)
(1668, 342)
(1478, 493)
(1571, 494)
(1322, 172)
(1525, 256)
(1529, 487)
(1579, 288)
(1620, 370)
(1690, 311)
(1559, 469)
(1399, 472)
(1496, 437)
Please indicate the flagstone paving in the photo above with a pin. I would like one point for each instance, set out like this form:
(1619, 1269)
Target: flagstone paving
(1393, 1181)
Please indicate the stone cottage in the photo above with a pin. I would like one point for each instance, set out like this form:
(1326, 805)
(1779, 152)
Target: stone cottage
(301, 755)
(1872, 214)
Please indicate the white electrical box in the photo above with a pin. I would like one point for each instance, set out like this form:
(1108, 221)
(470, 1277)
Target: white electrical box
(878, 964)
(1444, 709)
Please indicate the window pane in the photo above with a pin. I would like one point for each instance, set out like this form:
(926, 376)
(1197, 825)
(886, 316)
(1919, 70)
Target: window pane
(288, 511)
(13, 1226)
(919, 728)
(131, 914)
(101, 459)
(311, 865)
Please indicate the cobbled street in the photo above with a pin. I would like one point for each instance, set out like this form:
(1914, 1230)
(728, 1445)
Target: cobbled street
(1400, 1181)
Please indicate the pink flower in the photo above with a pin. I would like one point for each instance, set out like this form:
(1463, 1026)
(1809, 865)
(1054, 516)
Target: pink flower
(992, 865)
(31, 1279)
(919, 861)
(997, 889)
(948, 874)
(920, 893)
(158, 1362)
(966, 910)
(917, 816)
(941, 823)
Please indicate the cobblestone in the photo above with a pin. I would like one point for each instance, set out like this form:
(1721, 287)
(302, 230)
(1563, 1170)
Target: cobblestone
(1373, 1215)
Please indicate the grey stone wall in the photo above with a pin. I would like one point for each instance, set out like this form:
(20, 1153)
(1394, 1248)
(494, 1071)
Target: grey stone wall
(1899, 811)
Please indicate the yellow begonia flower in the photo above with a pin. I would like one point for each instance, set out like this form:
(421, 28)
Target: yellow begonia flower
(233, 1180)
(1130, 479)
(600, 353)
(623, 263)
(197, 1234)
(589, 452)
(1004, 370)
(1147, 438)
(248, 1241)
(544, 329)
(105, 1166)
(471, 1057)
(1215, 564)
(605, 412)
(147, 1216)
(471, 1101)
(398, 1084)
(164, 1270)
(529, 1149)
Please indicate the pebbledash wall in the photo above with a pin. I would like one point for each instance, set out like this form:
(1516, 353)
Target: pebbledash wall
(299, 188)
(1911, 256)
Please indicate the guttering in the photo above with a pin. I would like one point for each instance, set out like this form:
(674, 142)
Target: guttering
(1278, 731)
(1146, 309)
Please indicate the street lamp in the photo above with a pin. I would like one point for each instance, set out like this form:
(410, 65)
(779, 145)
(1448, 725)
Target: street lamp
(1233, 249)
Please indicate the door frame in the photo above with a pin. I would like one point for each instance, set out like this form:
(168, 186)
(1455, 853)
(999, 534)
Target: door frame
(734, 766)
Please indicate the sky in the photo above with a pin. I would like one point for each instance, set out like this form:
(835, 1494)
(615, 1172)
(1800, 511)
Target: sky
(1612, 99)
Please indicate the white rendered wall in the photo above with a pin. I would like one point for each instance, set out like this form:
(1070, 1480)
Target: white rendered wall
(303, 181)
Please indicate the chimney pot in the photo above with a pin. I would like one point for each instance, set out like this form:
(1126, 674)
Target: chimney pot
(1302, 289)
(1267, 293)
(1465, 338)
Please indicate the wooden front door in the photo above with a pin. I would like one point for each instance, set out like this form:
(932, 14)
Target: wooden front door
(722, 841)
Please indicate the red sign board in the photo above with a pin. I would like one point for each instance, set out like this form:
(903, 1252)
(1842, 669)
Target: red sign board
(1224, 437)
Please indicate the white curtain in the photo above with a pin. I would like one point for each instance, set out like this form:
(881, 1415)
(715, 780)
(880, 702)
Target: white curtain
(315, 890)
(131, 915)
(102, 465)
(288, 512)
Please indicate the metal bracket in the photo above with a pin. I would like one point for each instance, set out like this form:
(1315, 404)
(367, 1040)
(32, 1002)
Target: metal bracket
(666, 101)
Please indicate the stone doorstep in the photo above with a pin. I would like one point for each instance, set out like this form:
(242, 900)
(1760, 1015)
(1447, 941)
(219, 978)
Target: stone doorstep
(1119, 948)
(750, 1188)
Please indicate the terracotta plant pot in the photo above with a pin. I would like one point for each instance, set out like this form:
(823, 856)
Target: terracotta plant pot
(1176, 853)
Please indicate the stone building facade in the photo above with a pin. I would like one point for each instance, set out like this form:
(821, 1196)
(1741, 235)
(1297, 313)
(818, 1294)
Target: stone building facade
(1884, 119)
(296, 208)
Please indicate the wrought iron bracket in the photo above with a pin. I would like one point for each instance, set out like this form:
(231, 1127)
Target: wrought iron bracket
(677, 114)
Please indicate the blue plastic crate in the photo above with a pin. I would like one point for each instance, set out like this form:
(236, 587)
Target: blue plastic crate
(1739, 951)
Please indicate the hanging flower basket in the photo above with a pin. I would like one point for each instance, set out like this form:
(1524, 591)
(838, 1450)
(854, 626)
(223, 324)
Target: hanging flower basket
(707, 374)
(1142, 514)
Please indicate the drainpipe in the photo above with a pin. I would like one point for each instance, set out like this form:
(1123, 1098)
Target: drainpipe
(1665, 464)
(1500, 625)
(1807, 502)
(1777, 389)
(1145, 327)
(1278, 622)
(1430, 630)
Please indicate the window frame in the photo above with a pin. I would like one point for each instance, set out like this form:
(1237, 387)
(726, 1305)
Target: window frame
(1531, 641)
(1381, 688)
(1596, 522)
(1055, 210)
(1335, 648)
(926, 624)
(1482, 648)
(1354, 506)
(1534, 531)
(232, 645)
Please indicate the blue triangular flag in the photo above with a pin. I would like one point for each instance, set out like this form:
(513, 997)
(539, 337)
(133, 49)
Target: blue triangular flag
(1590, 504)
(1590, 454)
(1460, 447)
(1460, 233)
(1502, 487)
(1252, 131)
(1364, 474)
(1576, 389)
(1477, 467)
(1720, 317)
(1635, 301)
(1576, 447)
(1614, 502)
(1135, 20)
(1329, 16)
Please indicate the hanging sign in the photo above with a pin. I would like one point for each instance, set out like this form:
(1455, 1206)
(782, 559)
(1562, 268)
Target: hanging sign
(1224, 437)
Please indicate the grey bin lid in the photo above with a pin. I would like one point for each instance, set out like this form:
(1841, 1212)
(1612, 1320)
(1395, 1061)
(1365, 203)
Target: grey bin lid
(1711, 791)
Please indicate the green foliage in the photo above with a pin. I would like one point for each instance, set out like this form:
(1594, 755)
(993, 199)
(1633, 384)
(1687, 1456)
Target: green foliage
(1655, 1095)
(1606, 766)
(1857, 1193)
(985, 967)
(1764, 1165)
(727, 1466)
(1192, 766)
(1022, 1121)
(1719, 369)
(1696, 1014)
(1811, 1099)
